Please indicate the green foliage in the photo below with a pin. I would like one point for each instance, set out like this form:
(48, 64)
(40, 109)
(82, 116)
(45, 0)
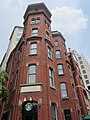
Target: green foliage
(3, 89)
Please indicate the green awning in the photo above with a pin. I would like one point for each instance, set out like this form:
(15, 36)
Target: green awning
(86, 117)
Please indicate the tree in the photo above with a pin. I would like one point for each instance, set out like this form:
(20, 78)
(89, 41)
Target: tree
(3, 86)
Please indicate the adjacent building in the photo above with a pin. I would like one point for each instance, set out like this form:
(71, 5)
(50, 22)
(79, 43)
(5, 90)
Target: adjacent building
(84, 69)
(43, 80)
(14, 38)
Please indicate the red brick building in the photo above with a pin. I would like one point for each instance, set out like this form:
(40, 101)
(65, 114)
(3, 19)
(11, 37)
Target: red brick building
(41, 82)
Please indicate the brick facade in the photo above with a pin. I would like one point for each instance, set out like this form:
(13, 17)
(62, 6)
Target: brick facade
(41, 94)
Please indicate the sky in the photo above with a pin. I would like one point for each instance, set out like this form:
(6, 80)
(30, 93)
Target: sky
(70, 17)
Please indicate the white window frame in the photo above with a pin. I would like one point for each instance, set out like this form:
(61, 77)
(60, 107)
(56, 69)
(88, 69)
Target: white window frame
(54, 111)
(56, 43)
(33, 50)
(49, 53)
(47, 36)
(51, 77)
(35, 32)
(65, 95)
(31, 73)
(58, 54)
(60, 69)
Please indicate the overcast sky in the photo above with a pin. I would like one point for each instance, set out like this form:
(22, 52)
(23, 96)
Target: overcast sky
(70, 17)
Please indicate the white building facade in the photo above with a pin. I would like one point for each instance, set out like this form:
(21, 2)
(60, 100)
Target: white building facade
(84, 68)
(14, 39)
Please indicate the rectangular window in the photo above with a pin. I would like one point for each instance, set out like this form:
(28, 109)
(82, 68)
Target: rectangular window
(88, 87)
(87, 81)
(31, 74)
(84, 71)
(82, 66)
(56, 43)
(33, 49)
(63, 44)
(47, 36)
(58, 54)
(60, 69)
(81, 62)
(51, 77)
(38, 20)
(79, 58)
(67, 115)
(85, 76)
(33, 21)
(63, 90)
(49, 53)
(54, 111)
(35, 32)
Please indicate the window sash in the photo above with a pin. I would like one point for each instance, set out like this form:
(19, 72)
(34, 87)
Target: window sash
(31, 78)
(56, 42)
(63, 90)
(33, 20)
(47, 36)
(38, 20)
(58, 54)
(85, 76)
(60, 69)
(51, 77)
(32, 74)
(35, 32)
(64, 93)
(54, 111)
(49, 53)
(33, 49)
